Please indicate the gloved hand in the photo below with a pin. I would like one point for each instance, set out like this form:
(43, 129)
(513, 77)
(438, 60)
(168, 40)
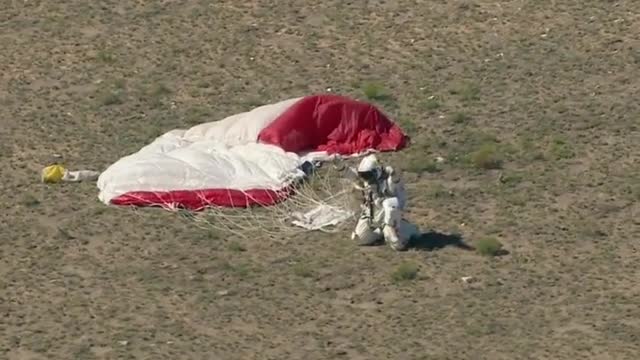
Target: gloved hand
(378, 201)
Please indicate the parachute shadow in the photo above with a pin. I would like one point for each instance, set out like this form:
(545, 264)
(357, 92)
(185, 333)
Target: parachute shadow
(432, 240)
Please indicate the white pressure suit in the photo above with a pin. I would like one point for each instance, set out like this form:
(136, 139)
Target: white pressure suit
(382, 208)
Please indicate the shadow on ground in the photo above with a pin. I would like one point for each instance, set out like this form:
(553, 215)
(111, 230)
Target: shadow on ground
(432, 240)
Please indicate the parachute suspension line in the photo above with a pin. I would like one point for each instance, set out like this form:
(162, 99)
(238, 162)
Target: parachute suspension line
(326, 187)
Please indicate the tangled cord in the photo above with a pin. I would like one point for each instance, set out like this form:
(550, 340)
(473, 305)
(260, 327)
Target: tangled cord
(326, 187)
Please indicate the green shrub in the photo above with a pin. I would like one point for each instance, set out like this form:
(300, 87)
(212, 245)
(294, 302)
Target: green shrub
(489, 246)
(487, 157)
(460, 118)
(406, 271)
(431, 104)
(302, 270)
(236, 247)
(374, 91)
(561, 149)
(420, 165)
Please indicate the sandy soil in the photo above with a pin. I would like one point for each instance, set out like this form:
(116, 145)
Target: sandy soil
(546, 89)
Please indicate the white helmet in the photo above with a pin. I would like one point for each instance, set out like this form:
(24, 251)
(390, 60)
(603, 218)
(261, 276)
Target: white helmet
(368, 163)
(369, 168)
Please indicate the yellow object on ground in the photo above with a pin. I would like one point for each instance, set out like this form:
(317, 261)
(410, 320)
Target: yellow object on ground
(53, 173)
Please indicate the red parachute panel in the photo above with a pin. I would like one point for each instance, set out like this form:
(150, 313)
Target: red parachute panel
(335, 124)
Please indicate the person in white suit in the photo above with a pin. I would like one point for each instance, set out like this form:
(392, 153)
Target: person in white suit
(384, 202)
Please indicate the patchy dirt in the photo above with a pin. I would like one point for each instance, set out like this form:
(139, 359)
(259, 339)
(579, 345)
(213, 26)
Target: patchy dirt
(533, 105)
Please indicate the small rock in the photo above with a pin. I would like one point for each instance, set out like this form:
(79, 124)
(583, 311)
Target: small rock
(123, 342)
(223, 292)
(467, 279)
(439, 159)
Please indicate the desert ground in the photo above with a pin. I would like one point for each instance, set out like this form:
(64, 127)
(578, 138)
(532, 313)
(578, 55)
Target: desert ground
(534, 106)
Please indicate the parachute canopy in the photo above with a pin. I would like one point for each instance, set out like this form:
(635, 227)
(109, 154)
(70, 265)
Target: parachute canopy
(250, 158)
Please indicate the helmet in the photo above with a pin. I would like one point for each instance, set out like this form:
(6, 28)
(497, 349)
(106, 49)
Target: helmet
(368, 163)
(369, 169)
